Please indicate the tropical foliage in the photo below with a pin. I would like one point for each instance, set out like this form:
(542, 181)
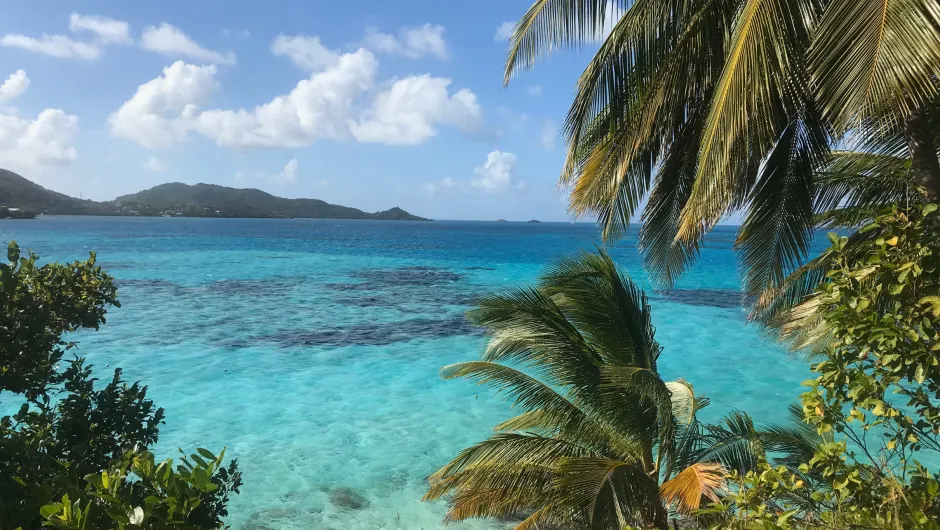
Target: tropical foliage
(874, 326)
(602, 442)
(710, 106)
(75, 454)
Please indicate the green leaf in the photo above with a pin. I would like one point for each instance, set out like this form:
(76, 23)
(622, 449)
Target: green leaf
(840, 483)
(932, 485)
(50, 510)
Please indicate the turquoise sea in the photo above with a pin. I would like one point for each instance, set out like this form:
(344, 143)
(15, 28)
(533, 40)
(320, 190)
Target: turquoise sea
(310, 348)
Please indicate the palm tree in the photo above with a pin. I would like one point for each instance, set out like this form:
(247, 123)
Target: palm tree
(602, 442)
(709, 106)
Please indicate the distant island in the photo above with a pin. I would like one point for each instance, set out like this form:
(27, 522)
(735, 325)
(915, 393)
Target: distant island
(22, 198)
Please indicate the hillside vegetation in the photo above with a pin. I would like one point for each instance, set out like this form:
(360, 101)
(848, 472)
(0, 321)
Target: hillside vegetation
(181, 200)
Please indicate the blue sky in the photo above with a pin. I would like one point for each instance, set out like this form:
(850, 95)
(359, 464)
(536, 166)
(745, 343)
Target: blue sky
(368, 104)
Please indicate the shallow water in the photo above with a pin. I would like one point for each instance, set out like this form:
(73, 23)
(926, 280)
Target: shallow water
(310, 348)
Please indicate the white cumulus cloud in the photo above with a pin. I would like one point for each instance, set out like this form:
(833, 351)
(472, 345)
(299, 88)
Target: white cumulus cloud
(332, 103)
(496, 174)
(289, 173)
(158, 114)
(317, 108)
(304, 51)
(409, 112)
(504, 31)
(108, 30)
(58, 46)
(45, 140)
(14, 86)
(169, 40)
(410, 42)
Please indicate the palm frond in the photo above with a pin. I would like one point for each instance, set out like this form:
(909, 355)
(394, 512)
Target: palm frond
(550, 25)
(734, 442)
(776, 234)
(800, 322)
(849, 217)
(686, 490)
(497, 492)
(775, 302)
(792, 443)
(642, 391)
(609, 493)
(526, 326)
(538, 517)
(594, 434)
(664, 257)
(525, 391)
(613, 154)
(504, 451)
(872, 55)
(751, 99)
(618, 75)
(860, 179)
(610, 311)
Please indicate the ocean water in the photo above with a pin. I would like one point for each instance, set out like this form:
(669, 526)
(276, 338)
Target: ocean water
(310, 348)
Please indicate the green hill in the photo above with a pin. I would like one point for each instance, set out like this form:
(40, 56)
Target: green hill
(249, 202)
(177, 199)
(19, 192)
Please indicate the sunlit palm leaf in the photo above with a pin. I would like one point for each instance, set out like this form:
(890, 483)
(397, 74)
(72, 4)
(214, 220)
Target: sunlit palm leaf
(550, 25)
(686, 490)
(871, 55)
(749, 107)
(617, 75)
(539, 517)
(639, 122)
(505, 450)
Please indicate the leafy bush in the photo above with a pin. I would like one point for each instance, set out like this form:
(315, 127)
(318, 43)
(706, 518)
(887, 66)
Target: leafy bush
(74, 455)
(875, 326)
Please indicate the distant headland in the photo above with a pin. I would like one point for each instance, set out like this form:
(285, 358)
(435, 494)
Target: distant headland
(22, 198)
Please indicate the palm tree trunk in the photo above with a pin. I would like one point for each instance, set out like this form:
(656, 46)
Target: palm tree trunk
(924, 162)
